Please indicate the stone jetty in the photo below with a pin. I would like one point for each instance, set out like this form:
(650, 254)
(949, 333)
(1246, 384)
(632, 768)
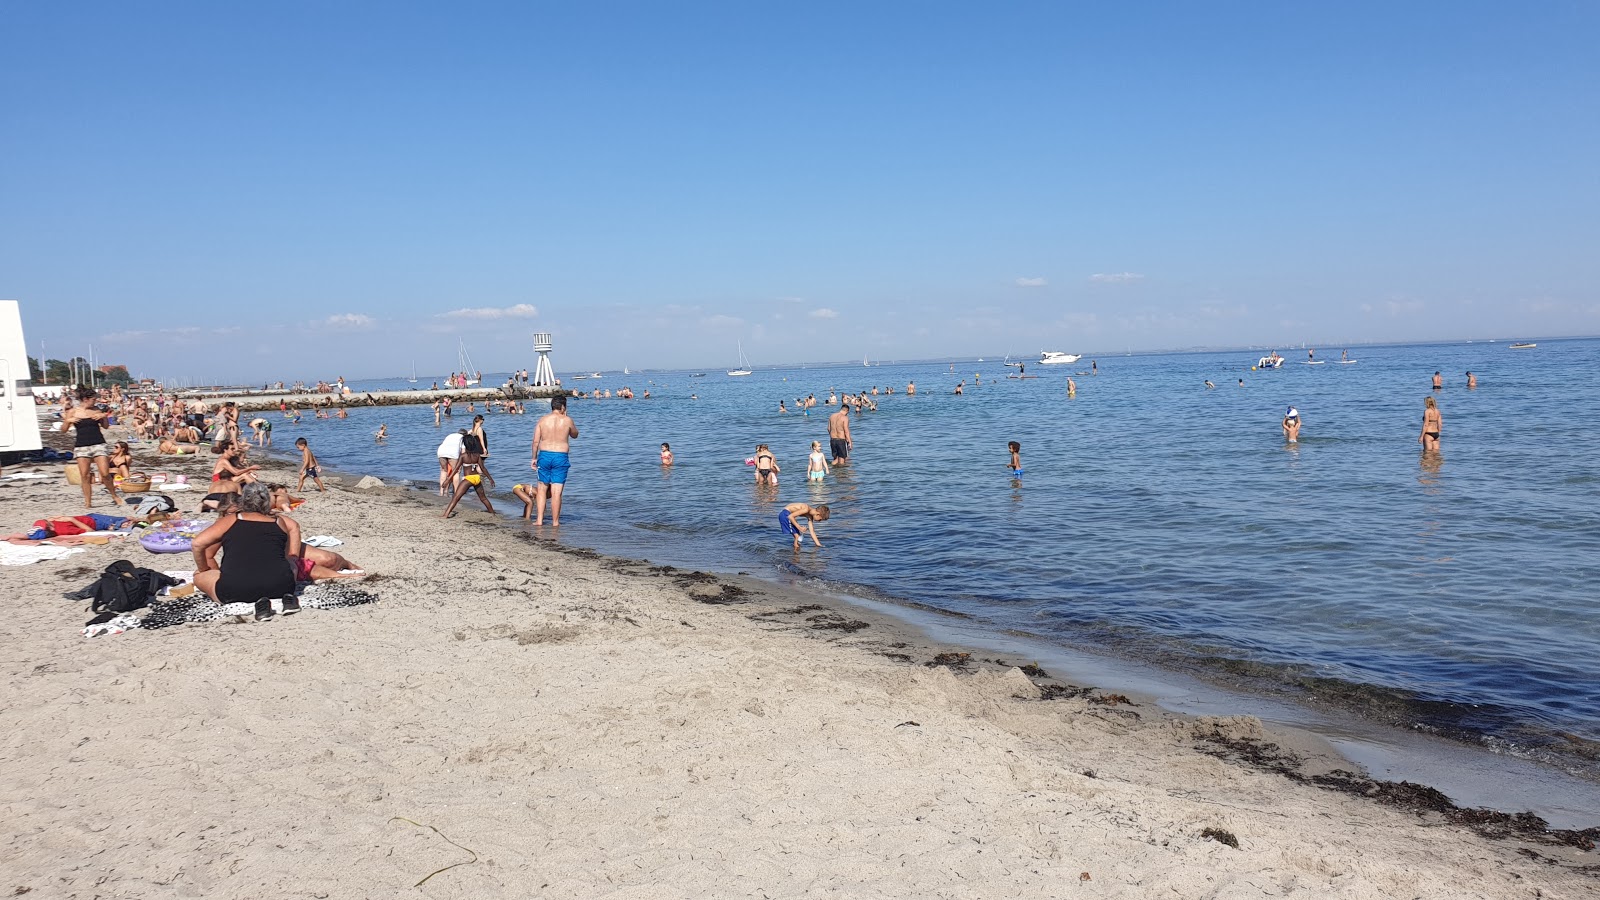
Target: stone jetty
(258, 401)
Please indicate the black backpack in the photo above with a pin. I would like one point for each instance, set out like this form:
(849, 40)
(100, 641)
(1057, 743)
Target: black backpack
(123, 587)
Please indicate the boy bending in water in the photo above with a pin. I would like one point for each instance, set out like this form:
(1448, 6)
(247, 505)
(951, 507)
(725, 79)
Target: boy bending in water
(789, 518)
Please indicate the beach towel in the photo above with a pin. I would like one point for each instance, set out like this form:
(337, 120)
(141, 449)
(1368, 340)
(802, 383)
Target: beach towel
(28, 554)
(200, 609)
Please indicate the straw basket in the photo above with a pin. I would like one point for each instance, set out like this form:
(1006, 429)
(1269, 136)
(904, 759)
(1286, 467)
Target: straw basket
(135, 484)
(71, 469)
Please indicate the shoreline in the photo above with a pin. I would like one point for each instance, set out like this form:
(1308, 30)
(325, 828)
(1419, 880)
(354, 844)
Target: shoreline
(1458, 763)
(589, 723)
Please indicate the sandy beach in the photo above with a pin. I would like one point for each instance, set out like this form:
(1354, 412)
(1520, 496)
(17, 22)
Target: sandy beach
(516, 718)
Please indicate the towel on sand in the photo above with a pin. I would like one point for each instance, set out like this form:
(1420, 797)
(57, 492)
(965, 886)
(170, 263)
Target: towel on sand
(23, 555)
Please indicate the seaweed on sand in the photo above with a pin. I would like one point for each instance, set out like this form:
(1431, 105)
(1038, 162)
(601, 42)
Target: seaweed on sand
(1405, 795)
(832, 622)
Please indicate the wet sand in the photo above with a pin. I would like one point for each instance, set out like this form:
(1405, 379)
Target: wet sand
(516, 718)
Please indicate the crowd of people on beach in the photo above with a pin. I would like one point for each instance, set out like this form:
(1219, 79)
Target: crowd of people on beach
(251, 550)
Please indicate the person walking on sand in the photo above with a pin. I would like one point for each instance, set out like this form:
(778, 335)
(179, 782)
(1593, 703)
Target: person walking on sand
(789, 516)
(550, 449)
(89, 446)
(308, 467)
(1432, 424)
(473, 471)
(839, 436)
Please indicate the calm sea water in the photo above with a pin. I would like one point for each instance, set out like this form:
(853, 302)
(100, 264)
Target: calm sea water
(1157, 518)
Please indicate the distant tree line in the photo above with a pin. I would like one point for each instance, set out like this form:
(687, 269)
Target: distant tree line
(59, 371)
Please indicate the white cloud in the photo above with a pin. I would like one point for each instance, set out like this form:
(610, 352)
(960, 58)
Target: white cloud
(519, 311)
(123, 337)
(823, 313)
(1115, 277)
(1031, 282)
(721, 321)
(349, 320)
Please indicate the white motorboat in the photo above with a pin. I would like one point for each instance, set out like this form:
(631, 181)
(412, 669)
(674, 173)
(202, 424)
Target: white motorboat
(1273, 361)
(1523, 346)
(1056, 357)
(744, 364)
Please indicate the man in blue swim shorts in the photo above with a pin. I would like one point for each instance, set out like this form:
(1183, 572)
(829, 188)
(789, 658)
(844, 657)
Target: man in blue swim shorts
(550, 458)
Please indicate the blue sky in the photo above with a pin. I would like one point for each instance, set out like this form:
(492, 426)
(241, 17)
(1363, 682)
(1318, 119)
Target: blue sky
(296, 190)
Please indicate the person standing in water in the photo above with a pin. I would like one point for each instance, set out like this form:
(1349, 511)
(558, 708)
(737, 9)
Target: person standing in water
(550, 448)
(816, 464)
(1432, 424)
(1016, 459)
(1438, 381)
(839, 436)
(1291, 425)
(1472, 381)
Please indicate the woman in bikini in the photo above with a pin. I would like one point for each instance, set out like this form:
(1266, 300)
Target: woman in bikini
(121, 459)
(766, 466)
(1432, 423)
(469, 465)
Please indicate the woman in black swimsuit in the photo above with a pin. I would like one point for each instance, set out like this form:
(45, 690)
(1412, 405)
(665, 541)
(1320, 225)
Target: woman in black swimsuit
(259, 552)
(88, 445)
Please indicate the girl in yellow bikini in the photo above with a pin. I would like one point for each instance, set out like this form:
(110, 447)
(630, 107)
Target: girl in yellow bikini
(473, 474)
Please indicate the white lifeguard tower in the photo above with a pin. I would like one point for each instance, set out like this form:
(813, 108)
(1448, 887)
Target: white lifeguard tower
(543, 375)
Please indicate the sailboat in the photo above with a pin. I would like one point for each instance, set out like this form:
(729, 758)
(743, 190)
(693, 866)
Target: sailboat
(465, 361)
(413, 378)
(864, 361)
(744, 364)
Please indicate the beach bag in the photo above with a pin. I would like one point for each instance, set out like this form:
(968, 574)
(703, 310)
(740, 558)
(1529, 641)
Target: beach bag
(124, 587)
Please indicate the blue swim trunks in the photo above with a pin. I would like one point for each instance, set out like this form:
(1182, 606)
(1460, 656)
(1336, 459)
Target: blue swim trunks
(789, 529)
(552, 467)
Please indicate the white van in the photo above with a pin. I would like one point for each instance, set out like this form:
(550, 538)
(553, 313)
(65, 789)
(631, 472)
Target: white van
(19, 419)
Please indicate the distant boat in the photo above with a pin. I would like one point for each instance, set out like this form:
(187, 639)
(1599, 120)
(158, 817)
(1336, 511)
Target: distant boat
(413, 378)
(579, 377)
(595, 375)
(1273, 361)
(744, 364)
(1522, 346)
(464, 360)
(625, 371)
(1056, 357)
